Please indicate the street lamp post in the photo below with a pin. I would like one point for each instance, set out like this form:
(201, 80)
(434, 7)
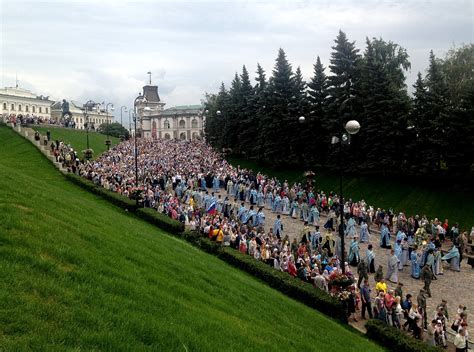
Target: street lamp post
(123, 109)
(351, 127)
(90, 103)
(139, 99)
(107, 142)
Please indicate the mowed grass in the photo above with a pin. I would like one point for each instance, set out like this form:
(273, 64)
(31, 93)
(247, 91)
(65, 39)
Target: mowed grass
(78, 274)
(78, 139)
(409, 196)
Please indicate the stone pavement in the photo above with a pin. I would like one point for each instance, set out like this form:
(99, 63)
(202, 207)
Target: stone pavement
(456, 287)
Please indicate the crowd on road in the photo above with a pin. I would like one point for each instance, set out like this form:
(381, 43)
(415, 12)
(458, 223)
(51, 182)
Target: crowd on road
(192, 183)
(32, 119)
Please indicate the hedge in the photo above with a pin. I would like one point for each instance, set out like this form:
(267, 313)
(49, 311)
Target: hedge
(161, 220)
(394, 339)
(113, 197)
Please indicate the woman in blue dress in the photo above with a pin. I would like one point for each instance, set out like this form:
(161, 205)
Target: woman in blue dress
(364, 232)
(415, 259)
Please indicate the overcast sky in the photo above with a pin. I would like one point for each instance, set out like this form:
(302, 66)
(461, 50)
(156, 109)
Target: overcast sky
(102, 50)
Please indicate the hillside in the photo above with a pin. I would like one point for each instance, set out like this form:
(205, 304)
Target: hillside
(78, 138)
(76, 273)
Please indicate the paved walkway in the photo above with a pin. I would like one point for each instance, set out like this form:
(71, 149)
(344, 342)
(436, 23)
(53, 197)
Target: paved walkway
(456, 287)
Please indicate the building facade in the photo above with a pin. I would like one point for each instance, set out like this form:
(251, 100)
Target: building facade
(184, 122)
(96, 116)
(20, 102)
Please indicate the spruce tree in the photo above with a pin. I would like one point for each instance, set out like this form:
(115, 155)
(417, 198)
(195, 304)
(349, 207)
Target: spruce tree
(438, 114)
(344, 66)
(247, 121)
(317, 98)
(384, 101)
(277, 138)
(260, 107)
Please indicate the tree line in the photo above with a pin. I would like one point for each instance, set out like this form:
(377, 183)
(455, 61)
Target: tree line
(430, 132)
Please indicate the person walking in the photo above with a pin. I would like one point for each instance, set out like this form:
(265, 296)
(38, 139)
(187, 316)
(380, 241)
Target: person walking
(421, 300)
(362, 272)
(460, 341)
(427, 276)
(365, 298)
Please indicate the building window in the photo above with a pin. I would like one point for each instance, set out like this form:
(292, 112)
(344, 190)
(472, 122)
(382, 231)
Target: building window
(167, 136)
(4, 106)
(195, 135)
(13, 107)
(182, 124)
(27, 108)
(34, 108)
(46, 110)
(40, 110)
(167, 125)
(182, 136)
(194, 123)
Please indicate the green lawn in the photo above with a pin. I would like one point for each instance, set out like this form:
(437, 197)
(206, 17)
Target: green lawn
(78, 274)
(78, 138)
(412, 197)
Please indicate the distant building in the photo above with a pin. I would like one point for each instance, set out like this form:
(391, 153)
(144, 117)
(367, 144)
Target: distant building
(96, 117)
(180, 122)
(15, 101)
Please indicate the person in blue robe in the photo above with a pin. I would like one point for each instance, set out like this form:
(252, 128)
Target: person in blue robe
(269, 200)
(260, 198)
(285, 205)
(203, 184)
(384, 237)
(314, 216)
(452, 257)
(415, 259)
(354, 249)
(400, 236)
(370, 255)
(294, 209)
(398, 253)
(277, 227)
(304, 211)
(351, 227)
(251, 216)
(253, 196)
(260, 218)
(241, 214)
(315, 239)
(215, 184)
(364, 232)
(277, 204)
(207, 200)
(219, 204)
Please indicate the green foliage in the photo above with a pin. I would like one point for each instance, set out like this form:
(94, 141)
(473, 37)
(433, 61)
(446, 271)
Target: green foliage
(161, 220)
(78, 273)
(395, 339)
(114, 129)
(261, 124)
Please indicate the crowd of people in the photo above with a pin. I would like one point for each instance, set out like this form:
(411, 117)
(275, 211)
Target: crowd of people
(192, 183)
(32, 119)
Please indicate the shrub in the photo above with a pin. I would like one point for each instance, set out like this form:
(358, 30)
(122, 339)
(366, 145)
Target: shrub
(394, 339)
(161, 220)
(113, 197)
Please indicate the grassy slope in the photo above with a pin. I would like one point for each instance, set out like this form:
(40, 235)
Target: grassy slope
(411, 198)
(76, 273)
(78, 139)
